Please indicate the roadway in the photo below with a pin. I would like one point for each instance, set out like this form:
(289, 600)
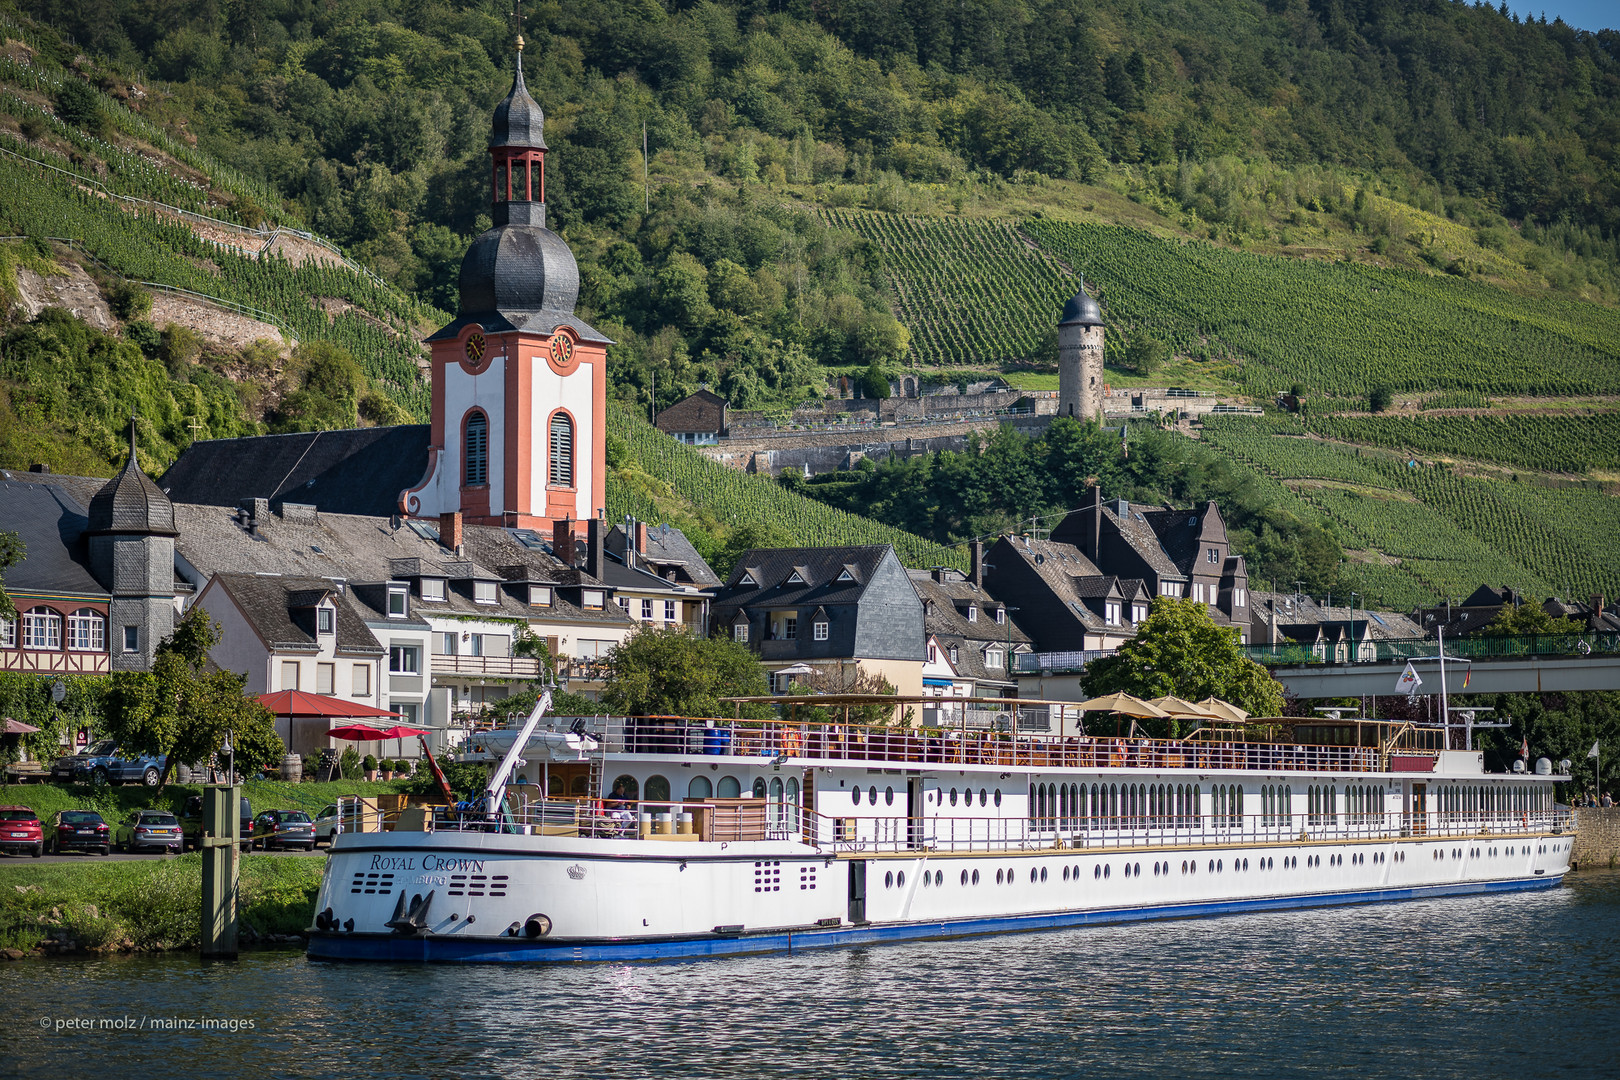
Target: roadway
(117, 856)
(1497, 675)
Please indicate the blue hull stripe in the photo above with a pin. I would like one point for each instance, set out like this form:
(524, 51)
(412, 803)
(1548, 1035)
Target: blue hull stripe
(457, 949)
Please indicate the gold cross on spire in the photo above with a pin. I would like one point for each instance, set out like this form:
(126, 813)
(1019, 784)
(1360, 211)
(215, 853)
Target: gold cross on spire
(517, 22)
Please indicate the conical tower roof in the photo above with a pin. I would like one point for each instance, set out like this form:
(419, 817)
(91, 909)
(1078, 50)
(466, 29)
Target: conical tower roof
(518, 120)
(131, 503)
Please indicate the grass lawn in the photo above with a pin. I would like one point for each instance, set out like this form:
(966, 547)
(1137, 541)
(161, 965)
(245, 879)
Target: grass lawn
(112, 802)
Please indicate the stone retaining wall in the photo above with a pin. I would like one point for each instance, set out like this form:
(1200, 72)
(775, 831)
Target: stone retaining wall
(1597, 845)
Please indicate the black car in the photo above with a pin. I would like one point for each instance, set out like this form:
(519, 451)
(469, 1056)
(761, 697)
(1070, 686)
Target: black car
(78, 830)
(191, 822)
(284, 829)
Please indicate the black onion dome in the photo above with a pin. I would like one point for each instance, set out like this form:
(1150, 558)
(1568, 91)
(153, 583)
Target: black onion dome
(131, 503)
(519, 120)
(518, 268)
(1081, 310)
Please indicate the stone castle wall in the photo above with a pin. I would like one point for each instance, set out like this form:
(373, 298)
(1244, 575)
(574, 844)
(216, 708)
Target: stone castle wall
(1597, 845)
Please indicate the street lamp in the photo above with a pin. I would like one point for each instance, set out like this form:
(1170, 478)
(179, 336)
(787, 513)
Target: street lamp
(1354, 654)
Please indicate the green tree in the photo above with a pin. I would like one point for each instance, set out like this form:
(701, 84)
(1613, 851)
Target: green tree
(182, 710)
(1179, 650)
(1515, 620)
(12, 551)
(672, 673)
(77, 105)
(331, 389)
(1145, 354)
(1380, 398)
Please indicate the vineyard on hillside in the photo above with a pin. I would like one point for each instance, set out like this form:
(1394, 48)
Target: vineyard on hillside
(1570, 444)
(970, 291)
(1340, 328)
(1450, 533)
(738, 498)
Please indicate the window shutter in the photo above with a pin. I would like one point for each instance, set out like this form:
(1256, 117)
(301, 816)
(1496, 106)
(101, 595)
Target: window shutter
(562, 451)
(477, 462)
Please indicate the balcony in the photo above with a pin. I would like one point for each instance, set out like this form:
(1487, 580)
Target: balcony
(506, 667)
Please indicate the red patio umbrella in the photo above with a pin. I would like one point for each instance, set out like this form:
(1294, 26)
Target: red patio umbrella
(297, 704)
(17, 727)
(366, 733)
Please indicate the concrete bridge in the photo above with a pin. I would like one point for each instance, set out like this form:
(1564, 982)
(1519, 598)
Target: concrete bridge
(1509, 665)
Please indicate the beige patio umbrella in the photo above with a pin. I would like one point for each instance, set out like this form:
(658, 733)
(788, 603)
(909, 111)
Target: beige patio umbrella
(1174, 706)
(1224, 710)
(1121, 703)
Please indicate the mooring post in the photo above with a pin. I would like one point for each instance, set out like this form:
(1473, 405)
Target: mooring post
(222, 865)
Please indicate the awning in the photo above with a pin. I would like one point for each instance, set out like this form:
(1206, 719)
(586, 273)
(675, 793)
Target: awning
(301, 704)
(938, 682)
(17, 727)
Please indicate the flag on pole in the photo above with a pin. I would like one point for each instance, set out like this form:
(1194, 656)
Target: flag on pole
(1409, 682)
(1469, 674)
(1524, 748)
(1593, 752)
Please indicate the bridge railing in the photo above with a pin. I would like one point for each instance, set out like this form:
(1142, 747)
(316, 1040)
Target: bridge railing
(1399, 650)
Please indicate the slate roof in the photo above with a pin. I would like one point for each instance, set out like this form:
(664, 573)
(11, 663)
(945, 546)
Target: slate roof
(52, 528)
(131, 503)
(1081, 310)
(667, 546)
(822, 586)
(518, 120)
(80, 489)
(1180, 533)
(1061, 569)
(1137, 530)
(273, 606)
(943, 620)
(356, 471)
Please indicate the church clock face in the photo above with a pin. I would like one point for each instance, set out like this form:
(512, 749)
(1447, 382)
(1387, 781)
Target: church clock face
(562, 349)
(475, 346)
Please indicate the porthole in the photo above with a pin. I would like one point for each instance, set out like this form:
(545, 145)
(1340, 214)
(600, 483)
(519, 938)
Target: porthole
(984, 797)
(975, 877)
(871, 793)
(900, 879)
(1034, 875)
(888, 796)
(1077, 873)
(1043, 874)
(1065, 873)
(953, 796)
(1155, 869)
(1096, 871)
(1138, 872)
(998, 877)
(927, 879)
(1183, 866)
(1220, 866)
(1245, 864)
(1127, 870)
(964, 877)
(1010, 875)
(888, 880)
(998, 796)
(939, 878)
(1106, 870)
(1212, 866)
(856, 795)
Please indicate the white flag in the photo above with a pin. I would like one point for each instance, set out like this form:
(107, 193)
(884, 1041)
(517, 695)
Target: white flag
(1409, 682)
(1592, 752)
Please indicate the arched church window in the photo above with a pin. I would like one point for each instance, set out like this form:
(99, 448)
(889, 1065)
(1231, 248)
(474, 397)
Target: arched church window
(477, 457)
(562, 451)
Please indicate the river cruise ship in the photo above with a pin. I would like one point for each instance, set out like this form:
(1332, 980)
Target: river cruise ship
(619, 839)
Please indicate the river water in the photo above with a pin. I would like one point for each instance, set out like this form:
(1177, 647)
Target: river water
(1474, 987)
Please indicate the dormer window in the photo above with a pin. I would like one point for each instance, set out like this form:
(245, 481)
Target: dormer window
(992, 659)
(820, 629)
(325, 620)
(846, 576)
(397, 598)
(1001, 615)
(591, 599)
(484, 592)
(748, 579)
(973, 614)
(1138, 612)
(1212, 554)
(953, 654)
(795, 578)
(539, 595)
(1112, 613)
(1237, 597)
(739, 632)
(432, 589)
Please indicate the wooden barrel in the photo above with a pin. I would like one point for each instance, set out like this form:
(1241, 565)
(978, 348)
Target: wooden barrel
(292, 768)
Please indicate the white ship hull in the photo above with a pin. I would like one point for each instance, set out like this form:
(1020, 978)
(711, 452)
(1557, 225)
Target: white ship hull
(916, 866)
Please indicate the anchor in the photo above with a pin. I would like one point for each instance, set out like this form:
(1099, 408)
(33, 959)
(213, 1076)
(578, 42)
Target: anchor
(411, 918)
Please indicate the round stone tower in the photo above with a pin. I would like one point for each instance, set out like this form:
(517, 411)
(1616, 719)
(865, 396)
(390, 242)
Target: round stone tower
(1080, 358)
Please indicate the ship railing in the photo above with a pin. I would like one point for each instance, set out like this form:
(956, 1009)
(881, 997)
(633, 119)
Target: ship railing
(530, 814)
(876, 835)
(811, 741)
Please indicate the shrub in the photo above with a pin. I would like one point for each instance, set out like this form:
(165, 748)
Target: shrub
(370, 764)
(77, 105)
(129, 301)
(349, 763)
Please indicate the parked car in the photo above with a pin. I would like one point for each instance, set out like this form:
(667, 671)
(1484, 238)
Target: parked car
(326, 821)
(103, 764)
(284, 829)
(20, 831)
(191, 823)
(79, 830)
(147, 830)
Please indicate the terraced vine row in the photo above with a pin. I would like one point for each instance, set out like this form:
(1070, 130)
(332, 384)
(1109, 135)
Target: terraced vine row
(1341, 328)
(1451, 533)
(1551, 443)
(970, 291)
(738, 498)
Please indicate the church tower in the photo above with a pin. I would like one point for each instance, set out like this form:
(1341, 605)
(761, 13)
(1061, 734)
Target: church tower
(1080, 358)
(519, 381)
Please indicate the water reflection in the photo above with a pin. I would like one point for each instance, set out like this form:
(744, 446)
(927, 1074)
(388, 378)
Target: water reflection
(1467, 987)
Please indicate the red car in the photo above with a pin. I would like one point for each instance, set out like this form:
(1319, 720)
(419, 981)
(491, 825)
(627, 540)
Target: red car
(20, 831)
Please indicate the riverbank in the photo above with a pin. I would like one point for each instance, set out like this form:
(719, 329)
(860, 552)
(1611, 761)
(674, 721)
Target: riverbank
(111, 907)
(112, 802)
(1597, 843)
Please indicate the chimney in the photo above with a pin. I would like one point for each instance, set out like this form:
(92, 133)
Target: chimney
(562, 540)
(1091, 535)
(40, 468)
(1597, 606)
(1271, 635)
(639, 541)
(976, 563)
(938, 574)
(256, 511)
(450, 530)
(593, 547)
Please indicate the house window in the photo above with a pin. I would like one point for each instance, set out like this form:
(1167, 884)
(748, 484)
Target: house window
(819, 629)
(484, 592)
(361, 685)
(1113, 614)
(8, 634)
(790, 627)
(476, 467)
(669, 611)
(408, 710)
(449, 644)
(1212, 555)
(1138, 612)
(562, 451)
(1001, 615)
(624, 602)
(325, 678)
(739, 631)
(325, 619)
(289, 674)
(1198, 591)
(933, 653)
(539, 596)
(973, 614)
(1237, 597)
(42, 629)
(591, 599)
(433, 589)
(132, 638)
(86, 630)
(646, 609)
(396, 601)
(475, 644)
(953, 654)
(403, 660)
(992, 659)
